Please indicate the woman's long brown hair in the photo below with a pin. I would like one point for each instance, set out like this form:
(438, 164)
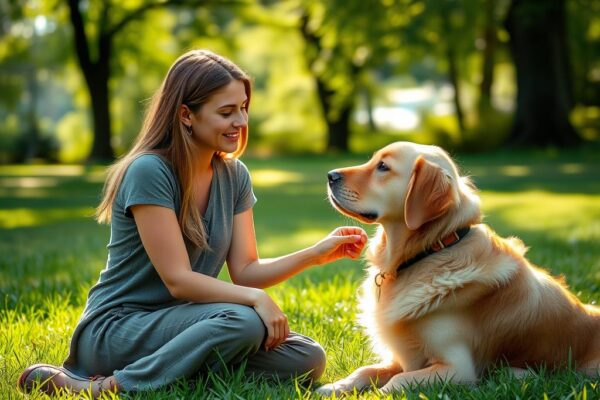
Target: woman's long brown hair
(191, 80)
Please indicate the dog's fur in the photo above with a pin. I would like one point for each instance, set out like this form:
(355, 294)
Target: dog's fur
(464, 309)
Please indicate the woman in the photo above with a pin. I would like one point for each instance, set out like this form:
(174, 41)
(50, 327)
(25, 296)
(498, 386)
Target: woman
(180, 205)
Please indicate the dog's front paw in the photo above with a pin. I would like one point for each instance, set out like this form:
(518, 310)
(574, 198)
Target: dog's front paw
(330, 389)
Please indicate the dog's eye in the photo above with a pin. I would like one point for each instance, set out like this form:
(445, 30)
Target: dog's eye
(382, 166)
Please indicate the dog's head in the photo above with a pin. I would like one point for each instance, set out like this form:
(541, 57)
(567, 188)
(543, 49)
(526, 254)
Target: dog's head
(404, 183)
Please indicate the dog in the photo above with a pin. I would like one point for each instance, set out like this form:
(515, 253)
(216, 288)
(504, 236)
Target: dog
(445, 298)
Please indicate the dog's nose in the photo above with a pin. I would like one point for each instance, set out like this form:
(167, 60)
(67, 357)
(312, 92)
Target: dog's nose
(334, 176)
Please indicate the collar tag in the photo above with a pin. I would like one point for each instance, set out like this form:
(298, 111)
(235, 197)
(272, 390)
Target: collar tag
(378, 282)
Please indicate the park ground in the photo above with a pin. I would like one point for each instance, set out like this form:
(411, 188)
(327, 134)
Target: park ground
(52, 251)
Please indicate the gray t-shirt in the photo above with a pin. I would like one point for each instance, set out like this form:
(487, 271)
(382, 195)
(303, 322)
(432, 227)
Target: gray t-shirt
(129, 279)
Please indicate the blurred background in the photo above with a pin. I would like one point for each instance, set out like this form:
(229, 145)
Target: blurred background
(329, 76)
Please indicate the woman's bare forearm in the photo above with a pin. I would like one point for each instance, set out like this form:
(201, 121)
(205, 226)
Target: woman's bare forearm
(261, 273)
(199, 288)
(267, 272)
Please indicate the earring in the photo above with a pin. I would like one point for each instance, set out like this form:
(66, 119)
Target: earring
(189, 130)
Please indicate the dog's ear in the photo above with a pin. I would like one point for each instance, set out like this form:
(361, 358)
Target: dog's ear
(429, 194)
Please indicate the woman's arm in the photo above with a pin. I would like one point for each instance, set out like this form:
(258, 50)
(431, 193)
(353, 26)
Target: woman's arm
(245, 267)
(163, 241)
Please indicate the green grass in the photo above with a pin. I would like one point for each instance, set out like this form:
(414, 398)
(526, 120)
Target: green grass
(52, 250)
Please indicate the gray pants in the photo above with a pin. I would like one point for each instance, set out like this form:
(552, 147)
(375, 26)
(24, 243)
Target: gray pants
(146, 350)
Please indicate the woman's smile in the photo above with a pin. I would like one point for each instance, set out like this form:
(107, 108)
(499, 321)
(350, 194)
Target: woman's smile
(233, 136)
(218, 124)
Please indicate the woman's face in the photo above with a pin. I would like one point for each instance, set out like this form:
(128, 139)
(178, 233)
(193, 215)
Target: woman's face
(218, 124)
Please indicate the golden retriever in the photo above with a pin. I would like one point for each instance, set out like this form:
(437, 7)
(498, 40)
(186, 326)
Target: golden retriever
(445, 297)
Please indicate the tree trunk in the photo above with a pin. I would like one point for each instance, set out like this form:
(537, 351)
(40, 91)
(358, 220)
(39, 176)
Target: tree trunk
(487, 76)
(338, 131)
(453, 75)
(97, 80)
(98, 88)
(453, 70)
(96, 74)
(33, 134)
(338, 121)
(338, 124)
(538, 45)
(368, 96)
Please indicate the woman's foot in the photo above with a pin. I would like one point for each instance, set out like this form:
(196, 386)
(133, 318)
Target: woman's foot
(50, 379)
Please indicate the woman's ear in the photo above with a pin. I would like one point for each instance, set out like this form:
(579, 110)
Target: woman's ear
(429, 194)
(185, 115)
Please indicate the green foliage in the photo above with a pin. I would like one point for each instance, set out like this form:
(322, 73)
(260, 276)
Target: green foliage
(283, 111)
(364, 47)
(9, 139)
(74, 137)
(29, 72)
(587, 120)
(52, 252)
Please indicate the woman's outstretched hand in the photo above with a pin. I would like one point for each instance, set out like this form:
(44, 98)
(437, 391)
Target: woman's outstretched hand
(345, 241)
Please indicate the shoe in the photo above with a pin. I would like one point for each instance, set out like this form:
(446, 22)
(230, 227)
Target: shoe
(49, 379)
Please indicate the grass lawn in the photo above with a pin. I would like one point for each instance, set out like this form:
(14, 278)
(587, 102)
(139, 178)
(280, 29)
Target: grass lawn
(52, 250)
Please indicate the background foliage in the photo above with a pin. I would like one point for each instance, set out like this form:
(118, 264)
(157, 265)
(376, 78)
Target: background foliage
(329, 75)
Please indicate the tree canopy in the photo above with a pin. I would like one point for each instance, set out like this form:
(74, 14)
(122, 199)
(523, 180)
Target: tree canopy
(328, 75)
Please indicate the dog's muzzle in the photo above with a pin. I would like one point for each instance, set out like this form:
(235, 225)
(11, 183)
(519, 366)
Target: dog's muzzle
(334, 178)
(335, 181)
(341, 198)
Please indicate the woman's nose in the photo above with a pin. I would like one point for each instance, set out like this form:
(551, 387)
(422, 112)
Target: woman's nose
(241, 119)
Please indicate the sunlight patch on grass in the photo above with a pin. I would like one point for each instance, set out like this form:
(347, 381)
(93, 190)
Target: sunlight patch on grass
(42, 170)
(29, 182)
(555, 213)
(21, 217)
(95, 177)
(515, 170)
(25, 193)
(36, 335)
(274, 177)
(52, 170)
(571, 168)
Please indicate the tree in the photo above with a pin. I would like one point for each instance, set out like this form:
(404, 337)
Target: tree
(342, 43)
(584, 43)
(490, 41)
(544, 95)
(441, 34)
(95, 55)
(446, 11)
(337, 116)
(32, 49)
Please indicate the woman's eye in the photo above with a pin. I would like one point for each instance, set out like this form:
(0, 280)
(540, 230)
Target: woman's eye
(382, 166)
(226, 114)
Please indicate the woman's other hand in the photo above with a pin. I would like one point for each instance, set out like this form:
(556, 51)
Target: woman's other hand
(273, 318)
(345, 241)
